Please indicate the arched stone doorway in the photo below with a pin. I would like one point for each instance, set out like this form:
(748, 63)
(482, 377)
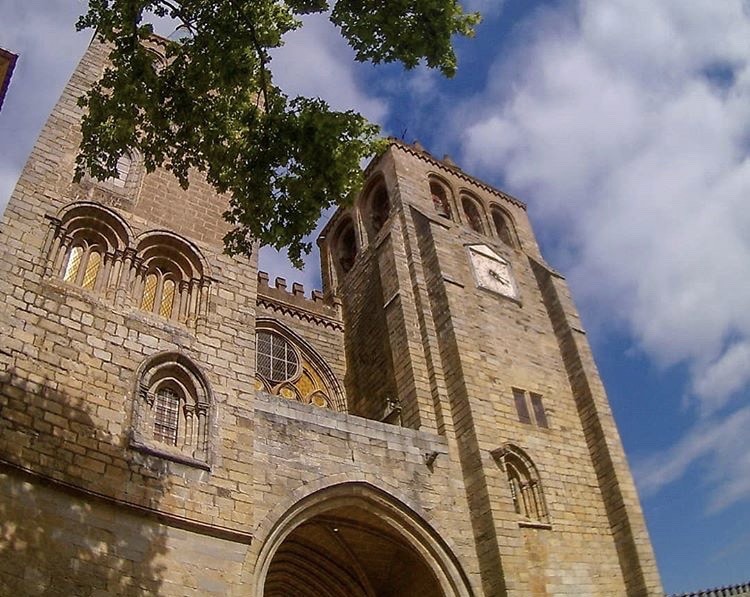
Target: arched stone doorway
(353, 540)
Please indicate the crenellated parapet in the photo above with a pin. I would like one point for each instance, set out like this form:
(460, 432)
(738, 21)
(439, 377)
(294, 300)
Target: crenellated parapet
(317, 308)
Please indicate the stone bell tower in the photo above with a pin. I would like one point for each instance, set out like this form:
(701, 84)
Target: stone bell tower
(453, 318)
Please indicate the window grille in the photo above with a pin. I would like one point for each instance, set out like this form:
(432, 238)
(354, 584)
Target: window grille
(149, 293)
(167, 299)
(166, 416)
(277, 361)
(74, 263)
(92, 269)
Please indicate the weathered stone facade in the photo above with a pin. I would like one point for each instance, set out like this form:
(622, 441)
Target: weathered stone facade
(431, 423)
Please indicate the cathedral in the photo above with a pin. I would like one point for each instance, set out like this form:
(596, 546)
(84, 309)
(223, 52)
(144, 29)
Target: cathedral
(174, 421)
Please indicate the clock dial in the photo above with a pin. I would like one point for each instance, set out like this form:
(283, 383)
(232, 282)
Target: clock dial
(491, 271)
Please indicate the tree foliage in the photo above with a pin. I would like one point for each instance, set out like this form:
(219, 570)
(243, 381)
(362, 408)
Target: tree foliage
(209, 102)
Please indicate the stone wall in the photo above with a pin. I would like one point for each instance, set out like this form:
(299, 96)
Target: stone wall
(92, 504)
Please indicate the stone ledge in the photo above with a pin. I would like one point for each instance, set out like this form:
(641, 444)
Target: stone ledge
(352, 424)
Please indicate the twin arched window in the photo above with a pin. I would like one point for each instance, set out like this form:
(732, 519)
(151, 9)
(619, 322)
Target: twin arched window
(86, 242)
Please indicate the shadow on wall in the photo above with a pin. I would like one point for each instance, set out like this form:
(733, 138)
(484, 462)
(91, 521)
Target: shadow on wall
(59, 535)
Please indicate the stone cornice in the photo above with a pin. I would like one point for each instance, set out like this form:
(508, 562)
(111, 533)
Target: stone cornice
(447, 166)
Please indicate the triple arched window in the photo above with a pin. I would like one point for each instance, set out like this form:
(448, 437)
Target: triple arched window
(172, 412)
(524, 484)
(160, 272)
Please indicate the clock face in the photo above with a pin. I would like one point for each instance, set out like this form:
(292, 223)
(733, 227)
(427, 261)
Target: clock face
(491, 271)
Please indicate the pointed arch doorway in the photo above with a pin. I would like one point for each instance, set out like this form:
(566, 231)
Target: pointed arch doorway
(353, 540)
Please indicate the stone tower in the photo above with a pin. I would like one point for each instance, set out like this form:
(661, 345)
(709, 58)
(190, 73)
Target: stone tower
(430, 423)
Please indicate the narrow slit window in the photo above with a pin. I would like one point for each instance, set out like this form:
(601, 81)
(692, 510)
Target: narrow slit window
(167, 299)
(538, 407)
(521, 407)
(74, 263)
(149, 293)
(92, 269)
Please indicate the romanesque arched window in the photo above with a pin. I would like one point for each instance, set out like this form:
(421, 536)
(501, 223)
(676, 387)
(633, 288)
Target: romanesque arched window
(440, 200)
(124, 167)
(379, 207)
(172, 411)
(88, 243)
(524, 484)
(285, 366)
(170, 277)
(345, 246)
(503, 226)
(473, 213)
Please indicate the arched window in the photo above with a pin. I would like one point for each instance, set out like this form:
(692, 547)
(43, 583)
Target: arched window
(503, 226)
(345, 246)
(286, 367)
(440, 200)
(173, 409)
(170, 279)
(524, 483)
(380, 207)
(473, 214)
(124, 166)
(88, 244)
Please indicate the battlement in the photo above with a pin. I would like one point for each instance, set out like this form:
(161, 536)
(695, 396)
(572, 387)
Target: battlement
(316, 308)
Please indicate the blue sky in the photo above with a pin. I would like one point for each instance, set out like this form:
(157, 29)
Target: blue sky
(624, 125)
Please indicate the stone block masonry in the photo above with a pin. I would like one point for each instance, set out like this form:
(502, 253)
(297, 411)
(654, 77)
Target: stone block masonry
(430, 422)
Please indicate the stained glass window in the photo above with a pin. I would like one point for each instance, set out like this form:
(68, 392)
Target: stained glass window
(149, 292)
(92, 269)
(74, 263)
(167, 299)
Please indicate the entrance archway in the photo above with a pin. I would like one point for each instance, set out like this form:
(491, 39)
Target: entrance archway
(353, 540)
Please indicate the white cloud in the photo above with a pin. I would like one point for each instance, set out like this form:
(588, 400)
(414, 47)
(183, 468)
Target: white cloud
(43, 35)
(487, 8)
(316, 61)
(626, 124)
(719, 447)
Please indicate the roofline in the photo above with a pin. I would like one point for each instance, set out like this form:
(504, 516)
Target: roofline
(446, 164)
